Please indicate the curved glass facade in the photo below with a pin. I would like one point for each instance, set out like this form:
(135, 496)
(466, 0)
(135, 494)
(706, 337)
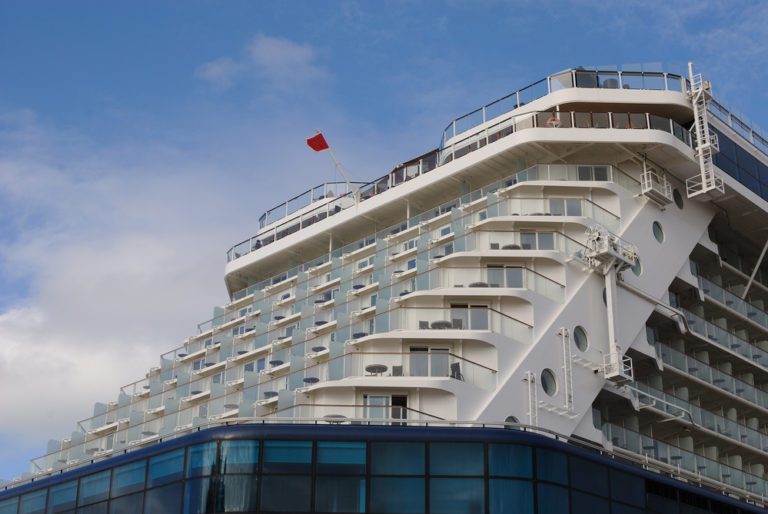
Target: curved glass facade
(351, 469)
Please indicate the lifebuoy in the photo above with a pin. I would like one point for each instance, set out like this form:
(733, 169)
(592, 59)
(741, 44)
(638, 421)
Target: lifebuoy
(553, 122)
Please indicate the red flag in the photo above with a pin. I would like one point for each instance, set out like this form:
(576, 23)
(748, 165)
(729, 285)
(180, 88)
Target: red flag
(317, 143)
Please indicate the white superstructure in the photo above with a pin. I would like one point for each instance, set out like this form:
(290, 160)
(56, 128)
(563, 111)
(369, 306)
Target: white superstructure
(547, 265)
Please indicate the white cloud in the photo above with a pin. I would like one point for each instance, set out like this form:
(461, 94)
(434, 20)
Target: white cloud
(277, 62)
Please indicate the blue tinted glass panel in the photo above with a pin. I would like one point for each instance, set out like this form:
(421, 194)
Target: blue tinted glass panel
(94, 488)
(33, 503)
(239, 456)
(583, 502)
(238, 494)
(627, 488)
(510, 496)
(551, 466)
(510, 460)
(62, 497)
(285, 493)
(198, 496)
(589, 476)
(130, 504)
(552, 499)
(456, 495)
(340, 494)
(456, 459)
(397, 495)
(129, 478)
(163, 500)
(94, 508)
(166, 467)
(287, 456)
(397, 458)
(340, 457)
(201, 459)
(9, 506)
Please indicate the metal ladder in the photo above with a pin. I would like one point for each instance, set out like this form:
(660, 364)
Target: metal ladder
(708, 181)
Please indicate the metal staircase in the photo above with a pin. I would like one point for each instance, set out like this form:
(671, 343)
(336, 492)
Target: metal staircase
(707, 182)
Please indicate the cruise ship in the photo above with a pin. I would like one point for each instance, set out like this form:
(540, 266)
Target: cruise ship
(561, 309)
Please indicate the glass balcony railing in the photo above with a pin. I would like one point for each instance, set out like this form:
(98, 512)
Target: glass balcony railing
(629, 77)
(376, 413)
(326, 191)
(710, 375)
(733, 302)
(726, 339)
(729, 428)
(683, 459)
(739, 124)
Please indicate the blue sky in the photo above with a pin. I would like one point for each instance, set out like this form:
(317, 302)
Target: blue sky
(139, 140)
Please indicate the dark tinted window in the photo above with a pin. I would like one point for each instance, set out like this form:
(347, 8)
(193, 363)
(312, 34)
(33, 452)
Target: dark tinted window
(510, 496)
(287, 456)
(456, 495)
(456, 459)
(166, 468)
(589, 476)
(201, 459)
(509, 460)
(94, 508)
(627, 488)
(237, 494)
(239, 456)
(94, 488)
(163, 500)
(61, 497)
(285, 493)
(552, 499)
(340, 494)
(340, 457)
(198, 496)
(409, 500)
(129, 478)
(130, 504)
(551, 466)
(397, 458)
(32, 503)
(587, 503)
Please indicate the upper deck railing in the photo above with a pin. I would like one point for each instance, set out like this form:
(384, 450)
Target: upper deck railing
(328, 190)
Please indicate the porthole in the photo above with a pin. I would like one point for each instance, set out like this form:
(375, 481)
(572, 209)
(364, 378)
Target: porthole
(637, 268)
(580, 338)
(549, 382)
(678, 198)
(658, 232)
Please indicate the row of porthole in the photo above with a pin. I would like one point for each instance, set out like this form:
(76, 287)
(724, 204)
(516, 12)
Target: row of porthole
(548, 378)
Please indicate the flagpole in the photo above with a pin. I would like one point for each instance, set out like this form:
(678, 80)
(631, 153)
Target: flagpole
(340, 169)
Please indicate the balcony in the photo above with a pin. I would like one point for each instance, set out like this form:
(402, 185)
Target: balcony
(733, 302)
(726, 339)
(677, 458)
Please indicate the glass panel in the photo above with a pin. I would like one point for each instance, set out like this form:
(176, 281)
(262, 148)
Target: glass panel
(166, 467)
(510, 460)
(573, 207)
(341, 458)
(546, 241)
(510, 496)
(94, 508)
(130, 504)
(556, 207)
(514, 277)
(439, 362)
(419, 364)
(583, 502)
(456, 459)
(163, 500)
(129, 478)
(619, 508)
(202, 459)
(478, 318)
(9, 506)
(408, 500)
(589, 476)
(198, 496)
(397, 458)
(340, 494)
(495, 276)
(94, 488)
(456, 495)
(33, 503)
(62, 497)
(237, 494)
(552, 499)
(287, 457)
(551, 466)
(239, 456)
(285, 493)
(528, 240)
(627, 488)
